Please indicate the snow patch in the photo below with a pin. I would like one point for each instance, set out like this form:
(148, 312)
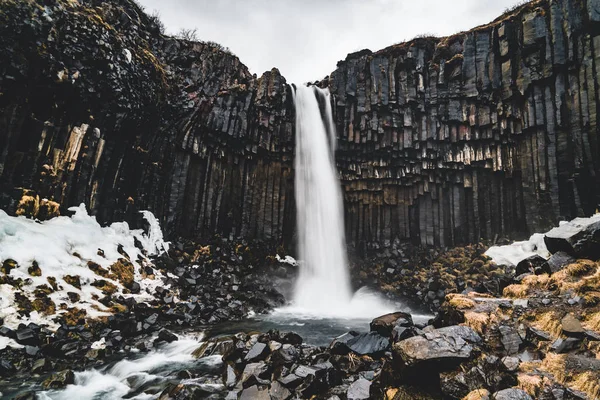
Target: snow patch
(64, 246)
(516, 252)
(287, 260)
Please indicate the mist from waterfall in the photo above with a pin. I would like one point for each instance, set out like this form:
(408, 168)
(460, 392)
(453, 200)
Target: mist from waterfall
(323, 286)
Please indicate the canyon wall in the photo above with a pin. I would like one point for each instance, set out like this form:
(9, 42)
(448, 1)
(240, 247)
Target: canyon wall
(488, 132)
(98, 107)
(442, 141)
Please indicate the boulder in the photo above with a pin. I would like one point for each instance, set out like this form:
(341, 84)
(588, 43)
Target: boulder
(258, 352)
(571, 326)
(385, 324)
(254, 393)
(340, 343)
(535, 265)
(511, 394)
(559, 260)
(438, 347)
(6, 368)
(359, 390)
(579, 238)
(510, 339)
(279, 392)
(259, 371)
(167, 336)
(368, 344)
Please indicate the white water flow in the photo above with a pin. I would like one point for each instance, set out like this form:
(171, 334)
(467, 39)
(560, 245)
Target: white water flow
(323, 286)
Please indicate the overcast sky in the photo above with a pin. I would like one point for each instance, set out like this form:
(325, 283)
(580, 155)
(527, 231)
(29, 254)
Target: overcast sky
(306, 38)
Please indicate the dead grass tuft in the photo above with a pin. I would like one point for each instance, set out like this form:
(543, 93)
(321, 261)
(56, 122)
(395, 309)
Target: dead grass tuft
(477, 321)
(549, 322)
(479, 394)
(532, 384)
(460, 302)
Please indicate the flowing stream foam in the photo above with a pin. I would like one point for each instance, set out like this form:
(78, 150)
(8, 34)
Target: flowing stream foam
(126, 377)
(323, 287)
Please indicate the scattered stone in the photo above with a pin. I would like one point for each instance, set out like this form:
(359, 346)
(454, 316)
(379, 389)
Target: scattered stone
(258, 352)
(454, 343)
(254, 393)
(279, 392)
(511, 363)
(510, 339)
(359, 390)
(167, 336)
(559, 260)
(563, 345)
(571, 326)
(511, 394)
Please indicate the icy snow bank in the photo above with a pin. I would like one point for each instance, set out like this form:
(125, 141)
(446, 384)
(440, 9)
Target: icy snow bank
(64, 246)
(513, 253)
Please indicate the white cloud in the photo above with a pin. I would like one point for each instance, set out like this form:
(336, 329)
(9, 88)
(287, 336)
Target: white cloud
(306, 38)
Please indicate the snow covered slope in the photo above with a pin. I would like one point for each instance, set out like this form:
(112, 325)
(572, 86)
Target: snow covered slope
(53, 267)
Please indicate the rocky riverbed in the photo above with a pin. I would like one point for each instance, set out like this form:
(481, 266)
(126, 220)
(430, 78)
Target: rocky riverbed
(530, 330)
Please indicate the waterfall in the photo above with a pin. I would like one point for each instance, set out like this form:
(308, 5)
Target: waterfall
(323, 278)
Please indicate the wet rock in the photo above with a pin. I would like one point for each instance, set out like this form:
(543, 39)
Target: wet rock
(445, 345)
(340, 343)
(40, 366)
(167, 336)
(6, 331)
(60, 380)
(359, 389)
(511, 394)
(258, 352)
(292, 338)
(230, 377)
(290, 381)
(254, 393)
(535, 265)
(385, 324)
(6, 368)
(368, 344)
(303, 371)
(258, 371)
(27, 336)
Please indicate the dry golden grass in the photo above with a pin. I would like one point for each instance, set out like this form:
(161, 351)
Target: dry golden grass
(555, 365)
(480, 295)
(580, 277)
(479, 394)
(516, 291)
(549, 322)
(477, 321)
(592, 321)
(530, 383)
(460, 302)
(587, 382)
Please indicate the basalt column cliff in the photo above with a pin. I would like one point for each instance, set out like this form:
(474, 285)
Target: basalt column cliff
(441, 141)
(489, 132)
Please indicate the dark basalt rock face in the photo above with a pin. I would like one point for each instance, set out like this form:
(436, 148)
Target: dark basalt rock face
(489, 132)
(442, 141)
(96, 106)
